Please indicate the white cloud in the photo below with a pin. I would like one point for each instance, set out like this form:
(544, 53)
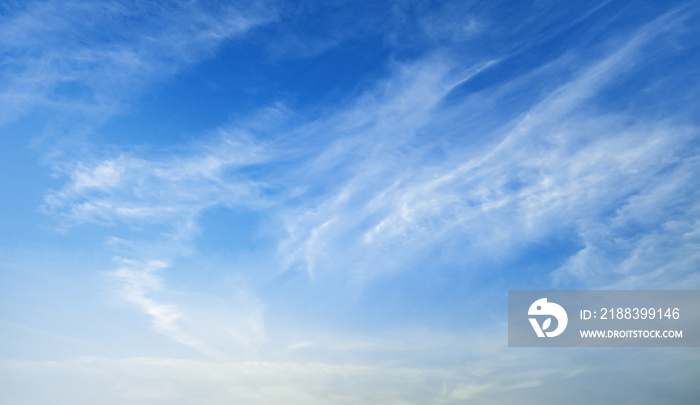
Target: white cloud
(82, 57)
(171, 190)
(562, 166)
(137, 284)
(220, 329)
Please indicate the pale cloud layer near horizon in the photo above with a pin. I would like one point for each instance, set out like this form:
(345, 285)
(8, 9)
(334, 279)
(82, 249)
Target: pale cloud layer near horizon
(327, 203)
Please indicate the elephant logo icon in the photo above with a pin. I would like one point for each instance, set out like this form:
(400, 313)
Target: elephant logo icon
(550, 309)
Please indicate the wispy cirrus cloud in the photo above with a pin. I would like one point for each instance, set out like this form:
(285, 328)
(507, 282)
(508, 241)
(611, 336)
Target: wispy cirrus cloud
(137, 284)
(174, 189)
(88, 58)
(219, 329)
(559, 166)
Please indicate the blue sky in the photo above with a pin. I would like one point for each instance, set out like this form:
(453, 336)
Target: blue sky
(326, 202)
